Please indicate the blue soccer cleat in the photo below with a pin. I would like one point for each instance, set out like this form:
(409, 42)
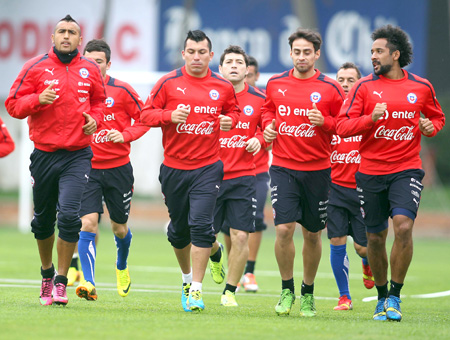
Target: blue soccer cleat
(185, 296)
(393, 310)
(380, 311)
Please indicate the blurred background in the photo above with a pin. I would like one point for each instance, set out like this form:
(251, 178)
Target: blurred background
(146, 37)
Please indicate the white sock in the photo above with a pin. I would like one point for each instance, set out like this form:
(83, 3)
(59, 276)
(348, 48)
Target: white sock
(187, 278)
(195, 286)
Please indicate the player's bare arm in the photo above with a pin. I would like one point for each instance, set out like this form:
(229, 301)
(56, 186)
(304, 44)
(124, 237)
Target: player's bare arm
(91, 125)
(181, 114)
(270, 132)
(426, 126)
(225, 123)
(253, 145)
(378, 111)
(315, 116)
(48, 96)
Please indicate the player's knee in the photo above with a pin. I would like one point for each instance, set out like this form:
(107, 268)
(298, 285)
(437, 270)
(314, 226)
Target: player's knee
(69, 234)
(41, 230)
(239, 238)
(202, 236)
(178, 241)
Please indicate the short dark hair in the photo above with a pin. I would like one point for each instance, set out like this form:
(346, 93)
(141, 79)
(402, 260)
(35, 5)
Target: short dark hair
(349, 65)
(68, 18)
(98, 45)
(312, 36)
(234, 49)
(397, 40)
(198, 36)
(253, 62)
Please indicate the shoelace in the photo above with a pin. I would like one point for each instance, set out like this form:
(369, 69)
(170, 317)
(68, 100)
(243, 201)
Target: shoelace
(123, 278)
(196, 295)
(47, 287)
(60, 289)
(380, 306)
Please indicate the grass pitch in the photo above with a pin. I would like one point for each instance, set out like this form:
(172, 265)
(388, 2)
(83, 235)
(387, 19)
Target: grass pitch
(153, 309)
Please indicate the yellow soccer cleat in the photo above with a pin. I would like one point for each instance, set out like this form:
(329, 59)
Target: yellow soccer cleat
(123, 282)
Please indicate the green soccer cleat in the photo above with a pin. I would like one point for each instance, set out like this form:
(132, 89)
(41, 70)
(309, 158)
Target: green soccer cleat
(285, 303)
(123, 282)
(307, 305)
(228, 299)
(217, 269)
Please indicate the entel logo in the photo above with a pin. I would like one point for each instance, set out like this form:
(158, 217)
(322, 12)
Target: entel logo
(286, 111)
(201, 109)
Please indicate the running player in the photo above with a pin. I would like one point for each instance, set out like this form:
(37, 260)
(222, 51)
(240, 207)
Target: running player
(111, 177)
(236, 204)
(385, 108)
(63, 96)
(344, 216)
(190, 104)
(299, 115)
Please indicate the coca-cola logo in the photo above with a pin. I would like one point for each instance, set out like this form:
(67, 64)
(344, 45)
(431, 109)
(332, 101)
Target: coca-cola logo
(100, 137)
(203, 128)
(235, 141)
(352, 157)
(403, 133)
(302, 130)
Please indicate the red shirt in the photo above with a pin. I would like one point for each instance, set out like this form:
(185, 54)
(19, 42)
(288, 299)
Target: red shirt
(345, 160)
(237, 161)
(79, 87)
(392, 144)
(122, 106)
(193, 144)
(6, 142)
(299, 144)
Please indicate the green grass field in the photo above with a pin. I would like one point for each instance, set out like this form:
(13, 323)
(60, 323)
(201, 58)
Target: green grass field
(153, 309)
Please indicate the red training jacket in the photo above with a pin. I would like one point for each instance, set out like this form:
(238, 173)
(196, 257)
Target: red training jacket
(345, 160)
(79, 88)
(122, 106)
(193, 144)
(6, 142)
(392, 144)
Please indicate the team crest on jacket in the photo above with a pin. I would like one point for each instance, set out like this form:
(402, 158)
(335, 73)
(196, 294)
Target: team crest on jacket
(315, 97)
(248, 110)
(109, 102)
(214, 94)
(412, 98)
(84, 73)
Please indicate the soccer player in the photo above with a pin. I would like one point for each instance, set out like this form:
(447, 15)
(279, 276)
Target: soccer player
(190, 105)
(63, 96)
(299, 115)
(385, 108)
(261, 160)
(236, 204)
(6, 142)
(111, 176)
(344, 216)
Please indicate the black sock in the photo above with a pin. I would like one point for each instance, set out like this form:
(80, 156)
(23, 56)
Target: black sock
(216, 256)
(250, 267)
(395, 288)
(74, 262)
(48, 273)
(307, 289)
(61, 279)
(382, 291)
(288, 284)
(230, 288)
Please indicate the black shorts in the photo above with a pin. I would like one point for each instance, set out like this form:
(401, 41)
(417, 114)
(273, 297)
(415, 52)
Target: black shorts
(262, 187)
(384, 196)
(236, 205)
(190, 196)
(344, 215)
(300, 196)
(115, 187)
(58, 179)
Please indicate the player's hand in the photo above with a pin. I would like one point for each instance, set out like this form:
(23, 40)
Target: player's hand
(379, 111)
(91, 125)
(270, 132)
(181, 114)
(426, 126)
(115, 136)
(225, 123)
(253, 145)
(48, 96)
(315, 116)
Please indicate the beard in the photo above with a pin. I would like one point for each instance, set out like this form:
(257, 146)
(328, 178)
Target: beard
(303, 69)
(383, 69)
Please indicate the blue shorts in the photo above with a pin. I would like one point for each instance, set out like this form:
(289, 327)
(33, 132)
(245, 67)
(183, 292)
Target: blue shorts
(236, 205)
(190, 196)
(389, 195)
(115, 186)
(300, 196)
(58, 179)
(344, 215)
(262, 187)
